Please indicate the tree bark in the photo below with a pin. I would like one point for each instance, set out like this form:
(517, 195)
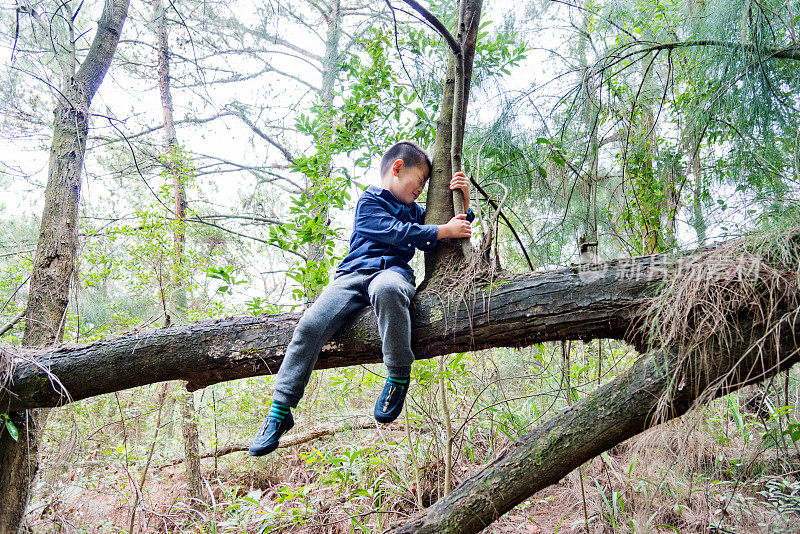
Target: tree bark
(54, 263)
(439, 205)
(469, 15)
(598, 301)
(19, 461)
(644, 162)
(589, 248)
(615, 412)
(191, 450)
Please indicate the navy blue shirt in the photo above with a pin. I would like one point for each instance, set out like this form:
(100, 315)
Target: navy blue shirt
(386, 233)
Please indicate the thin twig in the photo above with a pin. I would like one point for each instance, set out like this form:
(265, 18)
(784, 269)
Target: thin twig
(361, 423)
(11, 323)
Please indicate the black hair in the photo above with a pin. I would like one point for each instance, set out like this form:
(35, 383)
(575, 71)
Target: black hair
(409, 152)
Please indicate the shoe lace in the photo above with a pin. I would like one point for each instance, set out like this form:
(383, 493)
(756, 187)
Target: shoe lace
(388, 399)
(265, 425)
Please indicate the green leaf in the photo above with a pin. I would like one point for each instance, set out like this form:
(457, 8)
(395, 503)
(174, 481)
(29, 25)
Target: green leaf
(12, 429)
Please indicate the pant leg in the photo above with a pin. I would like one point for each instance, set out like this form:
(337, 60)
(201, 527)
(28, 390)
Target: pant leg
(332, 309)
(390, 293)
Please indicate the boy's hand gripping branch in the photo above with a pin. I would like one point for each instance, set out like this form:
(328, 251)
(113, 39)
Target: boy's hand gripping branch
(460, 181)
(458, 226)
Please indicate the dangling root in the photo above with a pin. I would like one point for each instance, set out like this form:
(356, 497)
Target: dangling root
(6, 367)
(699, 307)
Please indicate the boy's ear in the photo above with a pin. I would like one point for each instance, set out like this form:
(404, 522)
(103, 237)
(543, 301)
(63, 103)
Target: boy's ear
(396, 166)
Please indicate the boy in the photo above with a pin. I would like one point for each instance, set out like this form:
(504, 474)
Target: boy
(387, 229)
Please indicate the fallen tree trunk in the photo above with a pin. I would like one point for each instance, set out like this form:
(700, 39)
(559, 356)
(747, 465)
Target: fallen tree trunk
(599, 301)
(652, 391)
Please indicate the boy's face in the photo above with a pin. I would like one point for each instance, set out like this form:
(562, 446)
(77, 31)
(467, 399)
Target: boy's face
(406, 183)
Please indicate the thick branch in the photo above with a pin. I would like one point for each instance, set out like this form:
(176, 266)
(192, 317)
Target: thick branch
(437, 24)
(593, 302)
(104, 45)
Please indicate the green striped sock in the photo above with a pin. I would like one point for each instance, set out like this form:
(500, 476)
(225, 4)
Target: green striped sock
(278, 410)
(400, 381)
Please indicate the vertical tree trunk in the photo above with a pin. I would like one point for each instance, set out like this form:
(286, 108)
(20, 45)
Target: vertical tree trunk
(695, 16)
(698, 220)
(645, 214)
(330, 69)
(56, 250)
(651, 213)
(672, 175)
(440, 208)
(178, 300)
(19, 462)
(191, 449)
(591, 113)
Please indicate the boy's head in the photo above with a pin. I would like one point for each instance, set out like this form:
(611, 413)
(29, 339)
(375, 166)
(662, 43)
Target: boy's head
(405, 169)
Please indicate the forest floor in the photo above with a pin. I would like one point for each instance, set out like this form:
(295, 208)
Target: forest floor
(634, 488)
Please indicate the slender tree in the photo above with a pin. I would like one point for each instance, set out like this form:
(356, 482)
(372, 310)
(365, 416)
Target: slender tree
(54, 266)
(176, 168)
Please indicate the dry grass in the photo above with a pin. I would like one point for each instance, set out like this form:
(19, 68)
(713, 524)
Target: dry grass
(673, 478)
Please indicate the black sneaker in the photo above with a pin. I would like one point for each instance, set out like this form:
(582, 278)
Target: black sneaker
(266, 440)
(390, 401)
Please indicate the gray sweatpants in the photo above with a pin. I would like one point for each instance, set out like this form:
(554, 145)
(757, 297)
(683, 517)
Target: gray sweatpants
(388, 291)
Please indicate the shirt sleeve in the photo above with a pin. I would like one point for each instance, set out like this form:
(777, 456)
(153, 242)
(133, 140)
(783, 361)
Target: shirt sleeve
(376, 224)
(421, 214)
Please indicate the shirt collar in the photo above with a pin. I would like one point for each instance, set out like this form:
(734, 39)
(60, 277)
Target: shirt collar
(385, 193)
